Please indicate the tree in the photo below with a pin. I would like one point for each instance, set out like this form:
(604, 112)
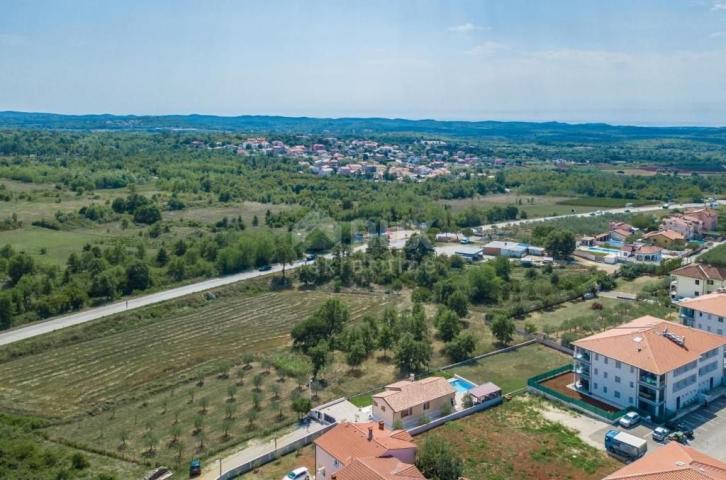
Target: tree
(461, 347)
(147, 214)
(318, 241)
(226, 426)
(319, 357)
(560, 243)
(356, 354)
(447, 323)
(103, 285)
(6, 312)
(484, 285)
(438, 461)
(19, 265)
(301, 406)
(138, 276)
(231, 392)
(386, 338)
(284, 251)
(458, 303)
(503, 329)
(162, 257)
(412, 355)
(307, 275)
(417, 248)
(502, 267)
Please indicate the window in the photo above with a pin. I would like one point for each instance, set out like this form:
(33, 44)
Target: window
(689, 366)
(720, 319)
(617, 394)
(383, 408)
(336, 463)
(698, 282)
(596, 371)
(604, 389)
(617, 379)
(709, 354)
(594, 386)
(405, 413)
(606, 360)
(597, 356)
(427, 405)
(604, 374)
(708, 368)
(618, 364)
(686, 382)
(630, 400)
(632, 369)
(632, 385)
(709, 282)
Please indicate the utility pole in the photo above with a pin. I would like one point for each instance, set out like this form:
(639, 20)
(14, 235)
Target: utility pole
(220, 468)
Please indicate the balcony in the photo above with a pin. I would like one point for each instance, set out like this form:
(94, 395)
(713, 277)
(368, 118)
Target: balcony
(647, 394)
(582, 370)
(582, 357)
(651, 380)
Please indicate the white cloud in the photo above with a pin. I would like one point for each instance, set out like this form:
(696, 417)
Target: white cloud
(719, 5)
(465, 28)
(487, 49)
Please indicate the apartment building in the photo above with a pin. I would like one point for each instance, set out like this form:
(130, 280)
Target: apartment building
(695, 280)
(707, 312)
(653, 365)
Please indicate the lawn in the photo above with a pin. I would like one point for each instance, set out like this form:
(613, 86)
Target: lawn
(510, 370)
(58, 244)
(215, 213)
(128, 355)
(604, 202)
(514, 441)
(554, 317)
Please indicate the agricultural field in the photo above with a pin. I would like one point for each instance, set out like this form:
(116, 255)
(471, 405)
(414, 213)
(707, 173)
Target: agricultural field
(214, 213)
(533, 205)
(510, 370)
(514, 441)
(128, 355)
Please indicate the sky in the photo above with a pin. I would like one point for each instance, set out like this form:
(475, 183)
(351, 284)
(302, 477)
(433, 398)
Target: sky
(646, 62)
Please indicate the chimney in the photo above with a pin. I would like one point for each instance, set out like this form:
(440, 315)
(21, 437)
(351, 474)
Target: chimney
(370, 433)
(380, 425)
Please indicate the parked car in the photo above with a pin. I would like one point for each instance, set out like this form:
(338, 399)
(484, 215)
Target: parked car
(300, 473)
(310, 257)
(195, 467)
(680, 427)
(588, 296)
(660, 434)
(629, 420)
(265, 268)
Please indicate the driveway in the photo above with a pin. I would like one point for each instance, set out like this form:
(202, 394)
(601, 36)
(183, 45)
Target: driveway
(709, 429)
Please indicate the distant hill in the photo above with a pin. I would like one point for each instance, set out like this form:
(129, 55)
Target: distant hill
(522, 131)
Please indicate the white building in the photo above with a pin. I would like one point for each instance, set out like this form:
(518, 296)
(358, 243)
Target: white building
(695, 280)
(707, 312)
(653, 365)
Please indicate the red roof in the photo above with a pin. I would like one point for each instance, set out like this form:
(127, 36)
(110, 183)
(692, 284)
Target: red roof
(348, 441)
(673, 462)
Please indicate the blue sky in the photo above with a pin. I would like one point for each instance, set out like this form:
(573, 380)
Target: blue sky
(635, 62)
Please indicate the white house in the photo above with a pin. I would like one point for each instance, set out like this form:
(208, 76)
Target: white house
(707, 312)
(696, 279)
(653, 365)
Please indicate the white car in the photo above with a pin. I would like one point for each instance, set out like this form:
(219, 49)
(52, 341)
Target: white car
(660, 434)
(300, 473)
(629, 420)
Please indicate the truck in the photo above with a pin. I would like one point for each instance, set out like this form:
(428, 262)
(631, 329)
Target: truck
(625, 445)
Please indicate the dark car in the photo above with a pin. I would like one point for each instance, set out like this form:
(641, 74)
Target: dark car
(265, 268)
(195, 467)
(310, 257)
(680, 427)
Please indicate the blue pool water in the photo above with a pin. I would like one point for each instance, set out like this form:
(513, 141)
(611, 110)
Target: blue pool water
(460, 385)
(603, 250)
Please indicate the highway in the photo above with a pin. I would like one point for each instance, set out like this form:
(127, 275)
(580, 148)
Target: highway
(397, 240)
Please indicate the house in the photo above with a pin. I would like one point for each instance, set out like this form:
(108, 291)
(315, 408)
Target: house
(371, 468)
(620, 231)
(688, 228)
(340, 450)
(696, 279)
(648, 253)
(406, 402)
(653, 365)
(669, 239)
(706, 312)
(506, 249)
(673, 461)
(707, 216)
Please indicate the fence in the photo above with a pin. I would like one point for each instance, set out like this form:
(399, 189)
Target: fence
(453, 416)
(542, 340)
(535, 386)
(273, 455)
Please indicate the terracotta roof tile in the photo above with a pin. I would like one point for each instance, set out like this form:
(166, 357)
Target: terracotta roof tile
(371, 468)
(348, 441)
(701, 272)
(673, 462)
(642, 344)
(406, 394)
(713, 303)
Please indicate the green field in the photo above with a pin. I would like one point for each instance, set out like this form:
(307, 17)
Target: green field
(602, 202)
(148, 349)
(534, 205)
(510, 370)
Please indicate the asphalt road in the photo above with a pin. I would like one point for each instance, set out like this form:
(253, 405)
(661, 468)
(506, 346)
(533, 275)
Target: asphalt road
(40, 328)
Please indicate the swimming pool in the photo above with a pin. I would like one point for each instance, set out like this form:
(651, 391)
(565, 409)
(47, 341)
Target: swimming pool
(603, 250)
(461, 385)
